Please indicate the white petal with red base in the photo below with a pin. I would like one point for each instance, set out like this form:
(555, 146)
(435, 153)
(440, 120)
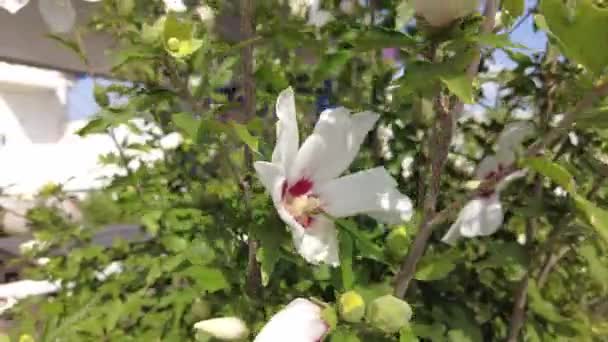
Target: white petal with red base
(300, 321)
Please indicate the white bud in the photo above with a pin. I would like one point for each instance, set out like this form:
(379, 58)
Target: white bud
(171, 141)
(224, 328)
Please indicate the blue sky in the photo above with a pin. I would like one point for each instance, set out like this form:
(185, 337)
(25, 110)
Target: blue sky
(81, 103)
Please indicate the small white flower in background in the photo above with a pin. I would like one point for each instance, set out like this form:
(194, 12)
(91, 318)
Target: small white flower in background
(384, 134)
(440, 13)
(316, 16)
(299, 321)
(205, 13)
(6, 303)
(303, 180)
(224, 328)
(115, 267)
(406, 166)
(171, 141)
(560, 192)
(573, 137)
(175, 6)
(483, 215)
(59, 15)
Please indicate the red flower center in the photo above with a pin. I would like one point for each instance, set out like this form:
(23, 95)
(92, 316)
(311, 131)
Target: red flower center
(299, 202)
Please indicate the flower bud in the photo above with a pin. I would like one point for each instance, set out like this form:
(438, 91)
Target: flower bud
(440, 13)
(201, 309)
(173, 44)
(398, 242)
(351, 307)
(224, 328)
(389, 313)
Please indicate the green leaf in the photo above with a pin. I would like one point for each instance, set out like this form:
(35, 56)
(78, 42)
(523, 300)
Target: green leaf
(542, 307)
(496, 40)
(579, 27)
(406, 334)
(243, 134)
(175, 243)
(267, 256)
(405, 12)
(553, 171)
(434, 332)
(94, 126)
(597, 268)
(207, 278)
(593, 119)
(460, 85)
(72, 45)
(150, 221)
(366, 246)
(346, 260)
(436, 266)
(186, 123)
(331, 65)
(596, 216)
(343, 334)
(379, 38)
(514, 7)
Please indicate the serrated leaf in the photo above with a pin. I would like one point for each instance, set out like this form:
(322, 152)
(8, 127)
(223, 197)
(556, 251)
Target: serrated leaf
(379, 38)
(150, 221)
(542, 307)
(175, 243)
(460, 85)
(436, 266)
(207, 278)
(344, 335)
(267, 256)
(553, 171)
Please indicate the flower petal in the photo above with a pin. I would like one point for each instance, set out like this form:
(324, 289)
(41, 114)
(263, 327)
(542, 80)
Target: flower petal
(175, 5)
(270, 174)
(13, 6)
(453, 234)
(372, 192)
(317, 243)
(59, 15)
(480, 217)
(514, 135)
(333, 145)
(288, 140)
(487, 166)
(300, 321)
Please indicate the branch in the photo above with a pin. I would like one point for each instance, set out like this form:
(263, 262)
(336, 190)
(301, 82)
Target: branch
(440, 140)
(254, 277)
(550, 265)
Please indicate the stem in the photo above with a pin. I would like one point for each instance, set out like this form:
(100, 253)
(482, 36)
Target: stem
(254, 277)
(440, 140)
(550, 265)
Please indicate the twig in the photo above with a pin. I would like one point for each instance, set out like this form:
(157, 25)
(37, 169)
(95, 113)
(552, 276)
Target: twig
(518, 312)
(254, 277)
(441, 140)
(550, 265)
(520, 21)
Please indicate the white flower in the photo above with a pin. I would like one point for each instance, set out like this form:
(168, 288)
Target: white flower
(406, 166)
(224, 328)
(316, 16)
(59, 15)
(299, 321)
(483, 215)
(205, 13)
(441, 12)
(115, 267)
(171, 141)
(303, 180)
(384, 134)
(25, 288)
(175, 5)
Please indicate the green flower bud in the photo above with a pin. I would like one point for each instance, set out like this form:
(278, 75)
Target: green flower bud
(173, 44)
(398, 242)
(351, 307)
(389, 313)
(201, 309)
